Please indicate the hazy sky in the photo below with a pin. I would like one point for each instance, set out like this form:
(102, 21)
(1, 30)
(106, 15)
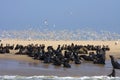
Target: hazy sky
(60, 14)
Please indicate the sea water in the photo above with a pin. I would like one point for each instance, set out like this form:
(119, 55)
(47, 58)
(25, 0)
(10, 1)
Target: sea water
(6, 77)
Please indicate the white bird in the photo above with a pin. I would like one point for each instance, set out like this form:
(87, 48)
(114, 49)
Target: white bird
(46, 22)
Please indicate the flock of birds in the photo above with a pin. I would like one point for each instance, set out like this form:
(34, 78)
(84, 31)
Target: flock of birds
(48, 34)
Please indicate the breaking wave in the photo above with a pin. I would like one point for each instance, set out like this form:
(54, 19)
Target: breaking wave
(46, 34)
(6, 77)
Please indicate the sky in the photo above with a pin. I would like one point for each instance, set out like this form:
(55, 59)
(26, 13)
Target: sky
(60, 14)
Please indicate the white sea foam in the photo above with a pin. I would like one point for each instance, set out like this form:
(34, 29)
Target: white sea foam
(6, 77)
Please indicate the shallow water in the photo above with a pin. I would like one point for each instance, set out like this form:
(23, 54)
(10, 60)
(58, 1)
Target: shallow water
(12, 67)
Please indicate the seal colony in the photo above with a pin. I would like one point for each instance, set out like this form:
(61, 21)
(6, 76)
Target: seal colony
(63, 55)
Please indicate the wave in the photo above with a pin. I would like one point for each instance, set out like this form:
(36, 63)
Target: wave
(6, 77)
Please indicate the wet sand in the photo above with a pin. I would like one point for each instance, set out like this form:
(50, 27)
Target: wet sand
(13, 67)
(23, 65)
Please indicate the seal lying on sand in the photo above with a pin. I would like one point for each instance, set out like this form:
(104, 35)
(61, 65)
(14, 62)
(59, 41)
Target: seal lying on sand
(113, 73)
(114, 62)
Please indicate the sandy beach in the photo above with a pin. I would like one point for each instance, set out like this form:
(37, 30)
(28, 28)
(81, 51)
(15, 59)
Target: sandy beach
(11, 64)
